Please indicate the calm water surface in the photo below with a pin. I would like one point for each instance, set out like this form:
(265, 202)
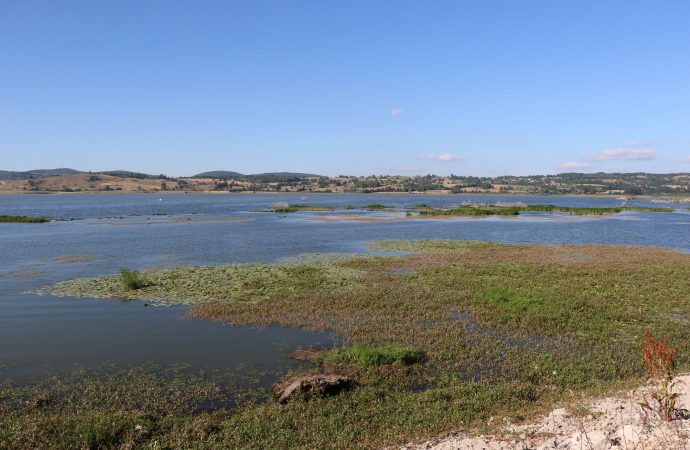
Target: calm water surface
(41, 335)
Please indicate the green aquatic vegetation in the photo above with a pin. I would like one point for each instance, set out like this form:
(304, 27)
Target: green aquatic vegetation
(470, 210)
(229, 283)
(525, 308)
(514, 210)
(375, 207)
(375, 355)
(132, 280)
(23, 219)
(513, 300)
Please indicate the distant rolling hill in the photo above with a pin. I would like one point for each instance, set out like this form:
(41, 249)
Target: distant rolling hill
(267, 177)
(128, 174)
(219, 174)
(36, 173)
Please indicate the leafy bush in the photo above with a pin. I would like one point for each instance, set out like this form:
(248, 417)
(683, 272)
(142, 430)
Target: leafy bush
(132, 280)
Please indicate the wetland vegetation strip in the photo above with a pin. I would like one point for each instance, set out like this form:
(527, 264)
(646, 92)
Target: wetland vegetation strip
(282, 207)
(418, 370)
(23, 219)
(514, 210)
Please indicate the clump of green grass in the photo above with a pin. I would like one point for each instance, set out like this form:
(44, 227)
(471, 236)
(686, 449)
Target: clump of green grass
(24, 219)
(132, 280)
(375, 206)
(375, 355)
(526, 308)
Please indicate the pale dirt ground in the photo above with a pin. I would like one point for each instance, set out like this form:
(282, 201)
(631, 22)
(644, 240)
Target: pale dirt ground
(616, 422)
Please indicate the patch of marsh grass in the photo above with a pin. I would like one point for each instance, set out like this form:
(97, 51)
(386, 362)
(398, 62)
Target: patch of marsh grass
(131, 280)
(23, 219)
(375, 355)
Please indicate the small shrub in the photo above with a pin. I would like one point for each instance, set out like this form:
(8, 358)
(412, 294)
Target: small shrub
(131, 280)
(365, 355)
(659, 359)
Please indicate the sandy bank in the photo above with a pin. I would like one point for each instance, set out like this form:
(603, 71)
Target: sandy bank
(616, 422)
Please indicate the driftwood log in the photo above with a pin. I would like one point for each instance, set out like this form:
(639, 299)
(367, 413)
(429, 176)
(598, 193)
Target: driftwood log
(319, 384)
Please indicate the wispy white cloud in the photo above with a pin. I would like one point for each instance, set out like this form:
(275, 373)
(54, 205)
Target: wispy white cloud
(442, 157)
(572, 165)
(632, 151)
(395, 112)
(686, 159)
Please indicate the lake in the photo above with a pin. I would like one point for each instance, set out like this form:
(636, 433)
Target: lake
(41, 335)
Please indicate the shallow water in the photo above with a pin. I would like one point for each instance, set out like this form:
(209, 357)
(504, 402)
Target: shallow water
(40, 335)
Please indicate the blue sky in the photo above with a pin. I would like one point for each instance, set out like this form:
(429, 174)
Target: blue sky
(349, 87)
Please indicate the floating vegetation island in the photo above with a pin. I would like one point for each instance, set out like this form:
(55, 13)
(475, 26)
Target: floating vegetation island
(230, 283)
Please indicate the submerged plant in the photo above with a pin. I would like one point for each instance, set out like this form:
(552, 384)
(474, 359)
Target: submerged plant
(659, 358)
(132, 280)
